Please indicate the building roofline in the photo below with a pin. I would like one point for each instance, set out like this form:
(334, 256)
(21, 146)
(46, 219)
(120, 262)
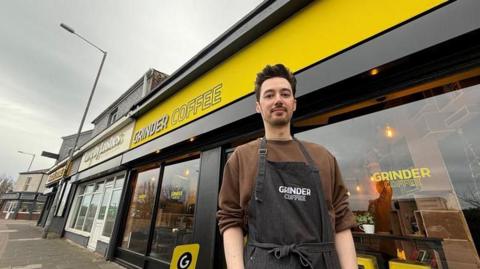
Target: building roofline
(260, 20)
(127, 93)
(73, 135)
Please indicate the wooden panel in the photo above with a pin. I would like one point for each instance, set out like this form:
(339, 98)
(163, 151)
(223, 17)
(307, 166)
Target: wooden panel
(429, 203)
(460, 254)
(447, 224)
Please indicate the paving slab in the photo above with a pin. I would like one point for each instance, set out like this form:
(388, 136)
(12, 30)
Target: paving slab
(21, 247)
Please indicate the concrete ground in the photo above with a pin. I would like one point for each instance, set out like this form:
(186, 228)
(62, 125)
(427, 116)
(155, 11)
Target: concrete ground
(21, 247)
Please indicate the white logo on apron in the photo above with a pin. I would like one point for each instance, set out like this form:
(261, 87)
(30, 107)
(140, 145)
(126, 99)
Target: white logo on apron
(295, 193)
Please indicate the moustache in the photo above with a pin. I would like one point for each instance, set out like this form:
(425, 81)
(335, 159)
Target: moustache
(279, 108)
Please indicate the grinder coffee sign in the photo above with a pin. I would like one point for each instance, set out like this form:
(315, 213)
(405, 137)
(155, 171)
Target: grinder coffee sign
(232, 79)
(107, 148)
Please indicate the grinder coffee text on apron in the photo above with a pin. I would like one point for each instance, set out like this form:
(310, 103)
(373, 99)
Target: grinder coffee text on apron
(288, 221)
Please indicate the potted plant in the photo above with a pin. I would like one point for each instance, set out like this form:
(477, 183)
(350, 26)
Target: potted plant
(366, 222)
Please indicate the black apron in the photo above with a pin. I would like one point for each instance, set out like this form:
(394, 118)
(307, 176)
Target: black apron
(288, 221)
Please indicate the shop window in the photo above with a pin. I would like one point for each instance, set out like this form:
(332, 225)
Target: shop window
(25, 207)
(176, 208)
(137, 227)
(92, 205)
(104, 205)
(92, 210)
(112, 213)
(414, 167)
(37, 209)
(82, 212)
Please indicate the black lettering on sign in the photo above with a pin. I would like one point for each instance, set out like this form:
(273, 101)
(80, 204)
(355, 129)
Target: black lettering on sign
(184, 261)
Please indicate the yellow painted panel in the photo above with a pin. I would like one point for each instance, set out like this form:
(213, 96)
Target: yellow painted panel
(185, 256)
(400, 264)
(316, 32)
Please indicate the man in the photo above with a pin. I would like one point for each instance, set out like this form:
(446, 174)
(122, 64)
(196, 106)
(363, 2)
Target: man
(286, 194)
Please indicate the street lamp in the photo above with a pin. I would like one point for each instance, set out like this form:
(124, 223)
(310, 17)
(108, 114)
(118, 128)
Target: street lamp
(31, 154)
(70, 157)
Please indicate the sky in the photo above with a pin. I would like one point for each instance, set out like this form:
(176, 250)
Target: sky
(46, 73)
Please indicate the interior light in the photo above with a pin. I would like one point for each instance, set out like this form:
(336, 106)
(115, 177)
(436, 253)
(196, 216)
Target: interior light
(348, 193)
(389, 132)
(372, 178)
(152, 179)
(374, 72)
(157, 151)
(187, 172)
(191, 139)
(358, 188)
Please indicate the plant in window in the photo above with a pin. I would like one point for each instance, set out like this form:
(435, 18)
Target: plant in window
(365, 218)
(366, 222)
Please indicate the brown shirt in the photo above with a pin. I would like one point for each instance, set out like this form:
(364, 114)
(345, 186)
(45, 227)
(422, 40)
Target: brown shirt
(241, 170)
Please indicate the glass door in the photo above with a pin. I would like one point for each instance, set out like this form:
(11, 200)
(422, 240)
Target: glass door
(99, 221)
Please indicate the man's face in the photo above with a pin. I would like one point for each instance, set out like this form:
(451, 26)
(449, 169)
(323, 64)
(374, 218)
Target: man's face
(276, 103)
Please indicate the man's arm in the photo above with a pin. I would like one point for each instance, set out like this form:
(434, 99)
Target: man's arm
(346, 249)
(233, 244)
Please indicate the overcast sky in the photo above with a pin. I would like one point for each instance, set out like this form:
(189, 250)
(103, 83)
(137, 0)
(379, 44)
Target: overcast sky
(46, 73)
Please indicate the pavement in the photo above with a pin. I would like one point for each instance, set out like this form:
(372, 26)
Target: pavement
(21, 247)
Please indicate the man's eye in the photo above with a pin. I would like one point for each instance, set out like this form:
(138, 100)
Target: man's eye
(268, 96)
(286, 94)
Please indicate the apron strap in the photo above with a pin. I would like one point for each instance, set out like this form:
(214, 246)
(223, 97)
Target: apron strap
(306, 154)
(262, 159)
(303, 250)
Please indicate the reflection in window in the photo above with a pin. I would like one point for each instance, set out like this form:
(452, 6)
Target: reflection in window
(139, 216)
(92, 204)
(82, 212)
(416, 169)
(176, 210)
(112, 213)
(92, 210)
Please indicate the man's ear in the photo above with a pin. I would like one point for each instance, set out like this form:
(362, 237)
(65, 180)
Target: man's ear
(257, 107)
(294, 104)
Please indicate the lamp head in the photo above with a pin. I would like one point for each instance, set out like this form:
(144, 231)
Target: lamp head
(68, 28)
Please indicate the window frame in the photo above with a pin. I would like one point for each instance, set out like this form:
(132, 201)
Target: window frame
(79, 198)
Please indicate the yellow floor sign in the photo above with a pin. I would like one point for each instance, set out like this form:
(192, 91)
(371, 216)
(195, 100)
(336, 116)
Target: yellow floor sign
(185, 256)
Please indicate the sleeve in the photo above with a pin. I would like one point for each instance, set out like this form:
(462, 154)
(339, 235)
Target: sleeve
(230, 213)
(344, 218)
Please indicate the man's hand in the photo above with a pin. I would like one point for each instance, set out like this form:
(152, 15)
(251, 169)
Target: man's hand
(233, 244)
(346, 249)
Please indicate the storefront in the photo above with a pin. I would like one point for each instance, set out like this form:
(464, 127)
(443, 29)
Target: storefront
(96, 190)
(391, 89)
(22, 205)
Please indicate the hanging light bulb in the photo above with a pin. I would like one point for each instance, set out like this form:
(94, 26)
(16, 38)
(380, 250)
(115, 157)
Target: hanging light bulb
(373, 71)
(389, 132)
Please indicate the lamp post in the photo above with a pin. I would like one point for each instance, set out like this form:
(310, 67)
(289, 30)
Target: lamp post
(33, 158)
(70, 157)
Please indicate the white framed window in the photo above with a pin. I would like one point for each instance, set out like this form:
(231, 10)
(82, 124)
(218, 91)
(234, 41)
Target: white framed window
(96, 201)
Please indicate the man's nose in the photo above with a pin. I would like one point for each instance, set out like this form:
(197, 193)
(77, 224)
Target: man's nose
(278, 100)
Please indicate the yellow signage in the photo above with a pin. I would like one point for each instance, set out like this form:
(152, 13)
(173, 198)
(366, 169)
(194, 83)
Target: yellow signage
(367, 262)
(404, 174)
(318, 31)
(185, 256)
(59, 173)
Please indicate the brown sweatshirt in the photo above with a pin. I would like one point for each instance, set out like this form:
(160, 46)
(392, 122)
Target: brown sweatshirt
(241, 170)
